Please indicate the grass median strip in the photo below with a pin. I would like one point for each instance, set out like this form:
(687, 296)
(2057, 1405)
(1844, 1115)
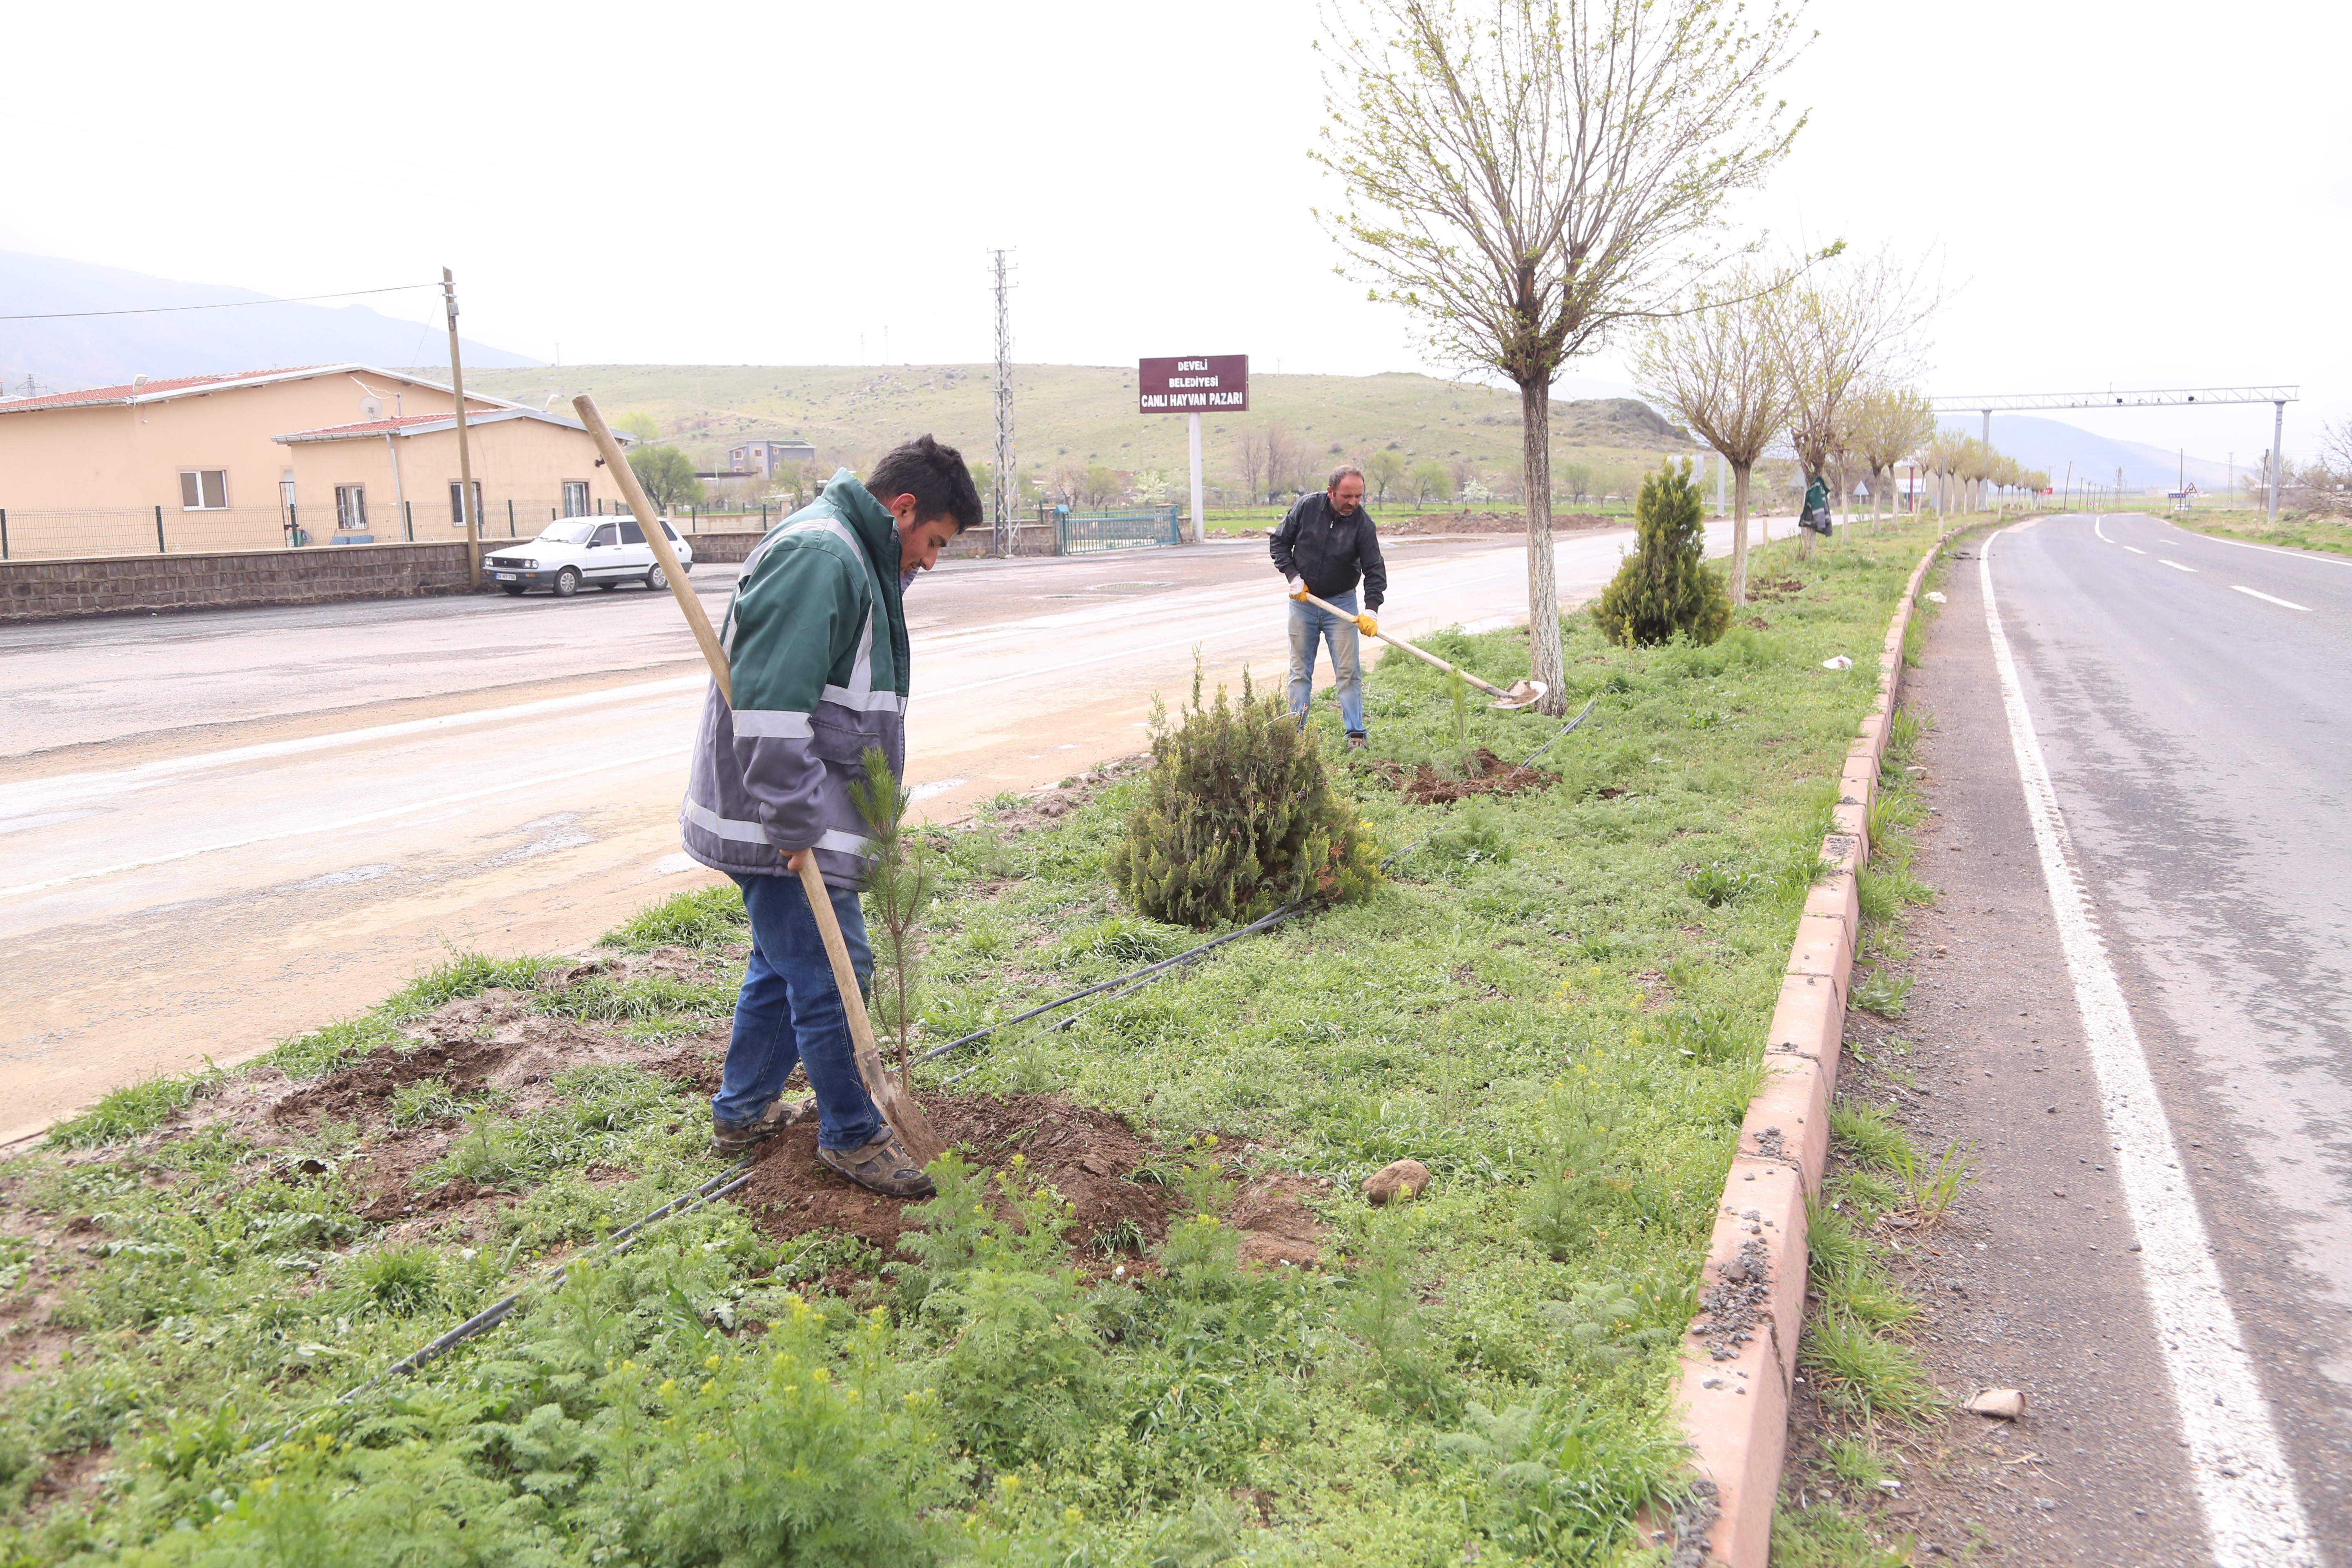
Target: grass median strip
(1148, 1319)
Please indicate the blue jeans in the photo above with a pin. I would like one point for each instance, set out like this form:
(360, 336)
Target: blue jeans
(1309, 625)
(790, 1011)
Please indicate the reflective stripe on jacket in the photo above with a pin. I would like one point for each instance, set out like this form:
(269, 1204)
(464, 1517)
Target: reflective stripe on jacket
(816, 650)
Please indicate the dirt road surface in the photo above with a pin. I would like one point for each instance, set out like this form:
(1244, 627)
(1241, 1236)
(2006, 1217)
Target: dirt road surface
(2158, 1257)
(223, 827)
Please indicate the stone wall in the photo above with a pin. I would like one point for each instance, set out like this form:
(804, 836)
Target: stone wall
(45, 590)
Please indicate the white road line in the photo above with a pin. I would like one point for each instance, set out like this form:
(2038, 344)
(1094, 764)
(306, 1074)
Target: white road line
(2272, 549)
(2099, 528)
(2252, 1518)
(2176, 565)
(2269, 598)
(410, 809)
(2134, 549)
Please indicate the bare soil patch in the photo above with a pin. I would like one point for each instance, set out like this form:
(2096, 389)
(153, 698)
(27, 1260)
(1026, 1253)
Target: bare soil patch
(1423, 785)
(1089, 1156)
(1040, 806)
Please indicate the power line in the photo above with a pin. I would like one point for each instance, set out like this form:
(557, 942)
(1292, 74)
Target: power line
(223, 305)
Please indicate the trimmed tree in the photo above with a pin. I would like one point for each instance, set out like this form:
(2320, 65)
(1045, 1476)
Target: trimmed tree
(1238, 817)
(1665, 589)
(1716, 368)
(1525, 175)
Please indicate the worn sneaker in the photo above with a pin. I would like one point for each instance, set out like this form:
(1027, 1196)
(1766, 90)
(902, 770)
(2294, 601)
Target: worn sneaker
(882, 1166)
(727, 1139)
(1355, 740)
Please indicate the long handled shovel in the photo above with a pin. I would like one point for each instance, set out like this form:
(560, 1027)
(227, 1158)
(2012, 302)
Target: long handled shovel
(1522, 694)
(906, 1118)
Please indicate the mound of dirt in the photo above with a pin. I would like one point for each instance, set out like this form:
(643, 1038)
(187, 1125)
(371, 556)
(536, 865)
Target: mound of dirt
(1424, 786)
(1088, 1156)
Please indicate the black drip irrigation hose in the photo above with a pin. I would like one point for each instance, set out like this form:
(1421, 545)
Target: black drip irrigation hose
(1136, 980)
(727, 1181)
(492, 1316)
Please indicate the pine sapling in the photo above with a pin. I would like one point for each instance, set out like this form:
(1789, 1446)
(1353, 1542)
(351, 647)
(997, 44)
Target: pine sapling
(899, 884)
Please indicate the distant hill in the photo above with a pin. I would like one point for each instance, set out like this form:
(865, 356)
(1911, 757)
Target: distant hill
(1087, 414)
(2053, 444)
(64, 355)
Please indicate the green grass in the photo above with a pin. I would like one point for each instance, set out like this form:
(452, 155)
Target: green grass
(126, 1112)
(2328, 535)
(1544, 1003)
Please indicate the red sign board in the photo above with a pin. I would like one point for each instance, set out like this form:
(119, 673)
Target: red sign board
(1197, 384)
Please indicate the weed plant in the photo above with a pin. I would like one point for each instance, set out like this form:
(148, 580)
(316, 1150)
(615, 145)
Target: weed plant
(1568, 1035)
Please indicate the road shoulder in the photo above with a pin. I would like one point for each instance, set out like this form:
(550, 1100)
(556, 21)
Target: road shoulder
(2031, 1281)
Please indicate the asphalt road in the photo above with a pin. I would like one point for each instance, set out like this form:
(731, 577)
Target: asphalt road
(223, 827)
(2135, 1000)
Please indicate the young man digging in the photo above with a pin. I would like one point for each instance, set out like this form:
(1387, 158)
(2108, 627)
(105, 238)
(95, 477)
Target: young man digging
(816, 648)
(1325, 547)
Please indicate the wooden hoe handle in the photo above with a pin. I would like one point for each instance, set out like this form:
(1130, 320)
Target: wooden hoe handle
(650, 520)
(1425, 656)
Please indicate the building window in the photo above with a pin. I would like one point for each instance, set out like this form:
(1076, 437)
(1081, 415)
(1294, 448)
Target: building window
(203, 490)
(457, 505)
(575, 498)
(350, 509)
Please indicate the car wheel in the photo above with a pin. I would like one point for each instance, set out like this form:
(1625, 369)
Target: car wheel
(567, 583)
(657, 579)
(511, 590)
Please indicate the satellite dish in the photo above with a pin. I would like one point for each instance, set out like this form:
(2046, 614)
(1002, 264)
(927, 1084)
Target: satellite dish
(371, 407)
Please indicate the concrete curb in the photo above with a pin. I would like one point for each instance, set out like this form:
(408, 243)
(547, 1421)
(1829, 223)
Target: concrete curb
(1735, 1409)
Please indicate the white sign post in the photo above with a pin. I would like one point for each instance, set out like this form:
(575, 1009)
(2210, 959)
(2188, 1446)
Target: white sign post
(1200, 525)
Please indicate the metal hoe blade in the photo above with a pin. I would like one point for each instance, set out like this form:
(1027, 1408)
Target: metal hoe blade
(1522, 694)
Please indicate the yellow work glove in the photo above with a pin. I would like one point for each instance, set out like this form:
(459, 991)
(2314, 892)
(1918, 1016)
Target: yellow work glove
(1298, 592)
(1366, 625)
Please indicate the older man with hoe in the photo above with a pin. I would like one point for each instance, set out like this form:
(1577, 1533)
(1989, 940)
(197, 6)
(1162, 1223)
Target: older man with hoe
(1325, 547)
(815, 640)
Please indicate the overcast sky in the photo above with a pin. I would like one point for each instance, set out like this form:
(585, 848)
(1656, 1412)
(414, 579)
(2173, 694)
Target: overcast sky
(2129, 197)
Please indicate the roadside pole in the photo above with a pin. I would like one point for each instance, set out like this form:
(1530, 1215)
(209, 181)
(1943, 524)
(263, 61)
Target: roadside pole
(465, 455)
(1200, 523)
(2278, 458)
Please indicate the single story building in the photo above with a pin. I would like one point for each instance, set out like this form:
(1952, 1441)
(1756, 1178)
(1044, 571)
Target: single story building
(766, 458)
(396, 478)
(202, 462)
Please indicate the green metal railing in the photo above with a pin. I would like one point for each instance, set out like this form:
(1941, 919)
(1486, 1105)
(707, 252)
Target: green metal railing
(1086, 532)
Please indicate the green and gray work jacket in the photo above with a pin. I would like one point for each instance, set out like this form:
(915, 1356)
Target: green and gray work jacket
(816, 648)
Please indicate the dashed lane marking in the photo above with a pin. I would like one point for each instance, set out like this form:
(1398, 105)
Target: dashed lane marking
(2134, 549)
(2176, 565)
(2253, 1517)
(2269, 598)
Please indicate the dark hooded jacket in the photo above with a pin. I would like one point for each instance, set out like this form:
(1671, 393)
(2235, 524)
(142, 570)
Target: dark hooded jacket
(1330, 552)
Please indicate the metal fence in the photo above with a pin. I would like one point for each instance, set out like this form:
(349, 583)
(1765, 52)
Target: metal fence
(51, 534)
(1086, 532)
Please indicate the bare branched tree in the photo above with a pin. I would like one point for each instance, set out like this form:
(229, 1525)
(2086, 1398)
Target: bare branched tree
(1888, 423)
(1249, 456)
(1528, 176)
(1841, 328)
(1716, 368)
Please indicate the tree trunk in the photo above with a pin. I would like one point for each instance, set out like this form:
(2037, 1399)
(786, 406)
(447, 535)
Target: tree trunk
(1546, 662)
(1738, 584)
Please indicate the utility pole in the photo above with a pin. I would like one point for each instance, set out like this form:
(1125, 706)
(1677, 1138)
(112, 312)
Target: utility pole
(465, 454)
(1004, 489)
(2278, 458)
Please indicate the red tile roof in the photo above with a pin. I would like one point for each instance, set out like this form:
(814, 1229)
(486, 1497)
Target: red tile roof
(173, 386)
(150, 388)
(385, 426)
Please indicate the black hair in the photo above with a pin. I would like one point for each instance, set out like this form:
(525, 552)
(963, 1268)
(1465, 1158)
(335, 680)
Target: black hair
(934, 475)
